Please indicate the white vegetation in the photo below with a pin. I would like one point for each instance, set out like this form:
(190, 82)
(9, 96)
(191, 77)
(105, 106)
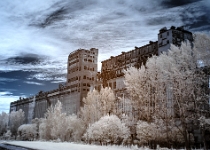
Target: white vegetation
(97, 104)
(205, 122)
(167, 96)
(27, 132)
(109, 129)
(16, 119)
(172, 86)
(157, 131)
(59, 126)
(7, 135)
(4, 118)
(202, 43)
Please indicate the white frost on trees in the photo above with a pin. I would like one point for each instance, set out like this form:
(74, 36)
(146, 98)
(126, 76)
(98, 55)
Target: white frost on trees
(27, 132)
(16, 119)
(4, 118)
(97, 104)
(109, 129)
(58, 126)
(170, 86)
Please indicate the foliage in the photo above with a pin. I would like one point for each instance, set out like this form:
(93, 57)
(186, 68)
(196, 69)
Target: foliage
(172, 86)
(97, 104)
(7, 135)
(16, 119)
(59, 126)
(4, 118)
(109, 129)
(27, 132)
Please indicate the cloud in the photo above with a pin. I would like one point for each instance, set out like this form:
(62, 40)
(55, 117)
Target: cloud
(5, 93)
(5, 101)
(32, 82)
(35, 35)
(7, 79)
(175, 3)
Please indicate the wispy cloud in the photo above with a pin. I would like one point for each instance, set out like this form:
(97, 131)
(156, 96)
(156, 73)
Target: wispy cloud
(32, 82)
(50, 30)
(5, 93)
(7, 79)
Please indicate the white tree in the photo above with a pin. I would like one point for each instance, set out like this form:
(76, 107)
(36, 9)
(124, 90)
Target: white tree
(16, 119)
(109, 129)
(7, 135)
(58, 126)
(4, 118)
(172, 86)
(58, 121)
(146, 132)
(27, 132)
(97, 104)
(43, 134)
(75, 128)
(54, 126)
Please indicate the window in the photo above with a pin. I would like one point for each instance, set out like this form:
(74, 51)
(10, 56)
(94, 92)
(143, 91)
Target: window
(110, 85)
(167, 33)
(115, 85)
(84, 77)
(93, 78)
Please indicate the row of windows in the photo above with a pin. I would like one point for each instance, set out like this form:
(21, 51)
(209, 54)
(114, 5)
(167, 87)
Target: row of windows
(78, 78)
(88, 78)
(87, 68)
(85, 55)
(73, 62)
(127, 59)
(89, 60)
(78, 85)
(74, 69)
(161, 35)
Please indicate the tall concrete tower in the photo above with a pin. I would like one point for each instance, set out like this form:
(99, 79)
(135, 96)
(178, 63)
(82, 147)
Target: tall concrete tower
(82, 71)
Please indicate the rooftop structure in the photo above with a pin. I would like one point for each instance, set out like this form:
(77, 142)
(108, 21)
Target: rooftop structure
(174, 35)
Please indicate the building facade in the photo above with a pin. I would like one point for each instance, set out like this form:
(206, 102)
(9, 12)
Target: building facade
(174, 35)
(82, 71)
(82, 76)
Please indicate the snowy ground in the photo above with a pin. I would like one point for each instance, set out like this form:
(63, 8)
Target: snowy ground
(66, 146)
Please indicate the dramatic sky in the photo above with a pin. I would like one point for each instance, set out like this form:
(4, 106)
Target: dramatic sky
(36, 36)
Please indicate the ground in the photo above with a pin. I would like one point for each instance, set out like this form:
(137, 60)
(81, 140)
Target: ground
(66, 146)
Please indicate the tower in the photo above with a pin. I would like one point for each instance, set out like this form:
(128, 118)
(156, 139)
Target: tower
(82, 71)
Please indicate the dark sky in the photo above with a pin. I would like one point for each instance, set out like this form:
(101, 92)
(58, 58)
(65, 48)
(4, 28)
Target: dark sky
(37, 36)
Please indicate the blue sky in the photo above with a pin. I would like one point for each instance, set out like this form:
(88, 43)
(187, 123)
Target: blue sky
(37, 36)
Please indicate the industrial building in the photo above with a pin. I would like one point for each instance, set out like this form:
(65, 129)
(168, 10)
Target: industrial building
(82, 75)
